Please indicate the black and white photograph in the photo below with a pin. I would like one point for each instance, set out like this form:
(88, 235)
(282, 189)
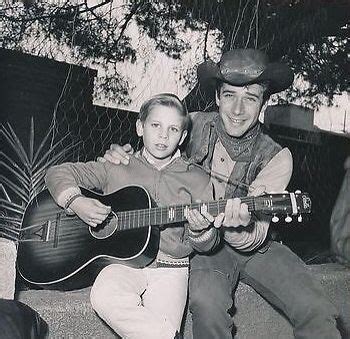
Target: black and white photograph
(175, 169)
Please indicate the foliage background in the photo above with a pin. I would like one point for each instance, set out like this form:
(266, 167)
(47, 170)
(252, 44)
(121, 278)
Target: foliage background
(312, 36)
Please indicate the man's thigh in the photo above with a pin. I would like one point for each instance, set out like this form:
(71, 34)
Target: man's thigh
(213, 277)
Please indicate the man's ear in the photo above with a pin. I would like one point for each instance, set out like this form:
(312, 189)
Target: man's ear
(183, 137)
(139, 128)
(217, 98)
(264, 106)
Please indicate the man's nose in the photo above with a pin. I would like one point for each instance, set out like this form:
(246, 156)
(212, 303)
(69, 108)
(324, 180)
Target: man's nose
(237, 106)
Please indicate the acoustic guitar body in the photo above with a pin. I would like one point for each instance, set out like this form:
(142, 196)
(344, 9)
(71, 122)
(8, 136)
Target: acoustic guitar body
(62, 252)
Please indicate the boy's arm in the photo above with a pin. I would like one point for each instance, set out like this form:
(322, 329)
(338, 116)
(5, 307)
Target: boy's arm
(274, 178)
(63, 180)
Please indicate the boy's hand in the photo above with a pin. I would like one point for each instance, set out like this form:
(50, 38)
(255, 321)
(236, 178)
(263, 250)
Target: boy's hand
(91, 211)
(199, 222)
(117, 154)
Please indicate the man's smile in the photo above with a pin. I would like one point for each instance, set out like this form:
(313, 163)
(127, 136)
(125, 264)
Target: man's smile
(236, 121)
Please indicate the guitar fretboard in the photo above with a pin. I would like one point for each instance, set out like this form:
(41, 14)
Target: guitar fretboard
(177, 213)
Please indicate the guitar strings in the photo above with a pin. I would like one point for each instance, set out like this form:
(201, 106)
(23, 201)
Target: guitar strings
(128, 218)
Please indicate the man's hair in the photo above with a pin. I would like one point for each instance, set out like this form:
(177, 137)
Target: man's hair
(264, 84)
(168, 100)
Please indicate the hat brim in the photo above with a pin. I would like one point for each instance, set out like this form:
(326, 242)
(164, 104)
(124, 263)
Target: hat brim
(278, 75)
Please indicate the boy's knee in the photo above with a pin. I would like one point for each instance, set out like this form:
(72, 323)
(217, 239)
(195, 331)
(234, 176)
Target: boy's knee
(97, 296)
(100, 293)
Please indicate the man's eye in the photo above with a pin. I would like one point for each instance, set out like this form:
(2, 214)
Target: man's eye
(252, 99)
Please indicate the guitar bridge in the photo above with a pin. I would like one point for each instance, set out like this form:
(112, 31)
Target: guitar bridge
(36, 232)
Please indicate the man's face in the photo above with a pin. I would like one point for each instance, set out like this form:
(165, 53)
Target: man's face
(239, 107)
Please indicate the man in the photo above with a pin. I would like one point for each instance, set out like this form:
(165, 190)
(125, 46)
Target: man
(242, 160)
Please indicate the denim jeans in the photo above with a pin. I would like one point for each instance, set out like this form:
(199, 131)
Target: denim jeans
(276, 273)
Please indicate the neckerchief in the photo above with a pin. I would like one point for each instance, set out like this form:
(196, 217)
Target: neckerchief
(239, 149)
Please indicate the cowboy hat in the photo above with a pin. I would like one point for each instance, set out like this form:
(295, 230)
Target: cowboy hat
(240, 67)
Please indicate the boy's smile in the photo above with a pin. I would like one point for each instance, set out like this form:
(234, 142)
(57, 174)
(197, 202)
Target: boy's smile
(162, 132)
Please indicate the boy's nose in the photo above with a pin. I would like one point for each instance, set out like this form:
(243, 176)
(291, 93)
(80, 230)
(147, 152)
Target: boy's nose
(163, 134)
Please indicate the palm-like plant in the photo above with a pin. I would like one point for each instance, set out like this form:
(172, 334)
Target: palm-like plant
(25, 172)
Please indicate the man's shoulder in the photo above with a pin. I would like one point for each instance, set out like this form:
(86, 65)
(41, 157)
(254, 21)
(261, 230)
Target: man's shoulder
(268, 140)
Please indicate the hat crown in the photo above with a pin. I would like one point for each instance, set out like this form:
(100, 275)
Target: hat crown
(242, 65)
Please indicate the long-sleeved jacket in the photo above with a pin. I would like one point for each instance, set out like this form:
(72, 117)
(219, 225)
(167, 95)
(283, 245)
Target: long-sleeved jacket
(176, 183)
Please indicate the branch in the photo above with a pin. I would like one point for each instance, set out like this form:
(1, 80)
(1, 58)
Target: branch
(127, 20)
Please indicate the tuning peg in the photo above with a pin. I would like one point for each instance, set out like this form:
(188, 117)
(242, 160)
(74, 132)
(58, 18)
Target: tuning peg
(300, 218)
(275, 218)
(288, 219)
(297, 191)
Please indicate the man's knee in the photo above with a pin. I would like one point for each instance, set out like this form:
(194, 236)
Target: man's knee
(210, 291)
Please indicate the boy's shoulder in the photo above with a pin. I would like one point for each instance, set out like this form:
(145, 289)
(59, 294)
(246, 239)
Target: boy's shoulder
(193, 168)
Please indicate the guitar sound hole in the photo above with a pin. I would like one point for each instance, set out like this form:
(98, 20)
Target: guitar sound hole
(107, 228)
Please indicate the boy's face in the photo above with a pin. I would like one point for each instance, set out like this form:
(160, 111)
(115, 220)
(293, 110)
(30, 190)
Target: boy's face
(162, 132)
(239, 107)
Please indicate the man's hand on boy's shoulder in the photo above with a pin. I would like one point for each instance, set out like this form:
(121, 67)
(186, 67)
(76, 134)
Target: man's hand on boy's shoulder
(117, 154)
(91, 211)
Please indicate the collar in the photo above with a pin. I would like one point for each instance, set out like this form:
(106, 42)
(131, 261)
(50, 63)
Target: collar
(149, 159)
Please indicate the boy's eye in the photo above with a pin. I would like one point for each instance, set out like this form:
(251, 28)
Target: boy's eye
(174, 129)
(155, 124)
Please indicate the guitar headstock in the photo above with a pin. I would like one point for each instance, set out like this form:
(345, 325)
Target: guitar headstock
(288, 204)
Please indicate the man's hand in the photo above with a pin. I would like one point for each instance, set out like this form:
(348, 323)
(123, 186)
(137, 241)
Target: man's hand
(237, 214)
(91, 211)
(117, 154)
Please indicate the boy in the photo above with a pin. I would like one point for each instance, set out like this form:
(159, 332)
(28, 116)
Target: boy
(147, 302)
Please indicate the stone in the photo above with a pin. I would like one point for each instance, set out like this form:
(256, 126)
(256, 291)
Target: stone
(8, 252)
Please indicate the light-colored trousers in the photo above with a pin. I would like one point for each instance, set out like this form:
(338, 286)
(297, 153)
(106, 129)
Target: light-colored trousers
(145, 303)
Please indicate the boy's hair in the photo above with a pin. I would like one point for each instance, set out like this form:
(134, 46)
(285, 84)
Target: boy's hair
(168, 100)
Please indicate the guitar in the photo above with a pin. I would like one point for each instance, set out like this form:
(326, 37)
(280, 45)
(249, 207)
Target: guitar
(55, 247)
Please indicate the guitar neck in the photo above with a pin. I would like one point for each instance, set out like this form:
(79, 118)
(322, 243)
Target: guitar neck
(177, 213)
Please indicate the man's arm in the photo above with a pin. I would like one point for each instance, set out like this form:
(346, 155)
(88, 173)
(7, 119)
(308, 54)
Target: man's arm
(273, 178)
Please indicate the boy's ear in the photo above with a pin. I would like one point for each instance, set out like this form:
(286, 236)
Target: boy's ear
(139, 128)
(183, 137)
